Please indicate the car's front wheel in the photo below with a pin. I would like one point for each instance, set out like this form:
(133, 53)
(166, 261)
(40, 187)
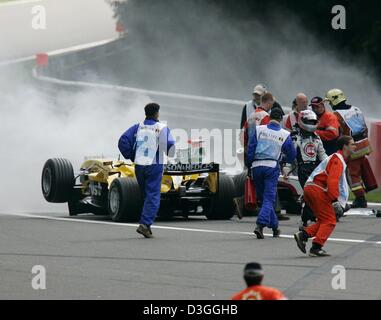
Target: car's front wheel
(57, 180)
(125, 200)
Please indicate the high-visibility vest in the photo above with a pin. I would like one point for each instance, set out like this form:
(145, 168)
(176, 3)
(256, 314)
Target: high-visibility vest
(147, 143)
(269, 146)
(354, 119)
(343, 183)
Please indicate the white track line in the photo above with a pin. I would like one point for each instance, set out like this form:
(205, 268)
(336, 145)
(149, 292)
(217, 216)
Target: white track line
(115, 224)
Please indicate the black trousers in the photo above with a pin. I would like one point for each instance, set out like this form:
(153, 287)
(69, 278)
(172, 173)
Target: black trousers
(304, 172)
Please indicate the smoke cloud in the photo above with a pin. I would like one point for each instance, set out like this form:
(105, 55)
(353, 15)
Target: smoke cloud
(37, 125)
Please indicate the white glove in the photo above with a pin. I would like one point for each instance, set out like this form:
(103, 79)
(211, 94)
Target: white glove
(339, 210)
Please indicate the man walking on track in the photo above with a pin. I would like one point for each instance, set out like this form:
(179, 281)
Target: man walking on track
(145, 144)
(266, 146)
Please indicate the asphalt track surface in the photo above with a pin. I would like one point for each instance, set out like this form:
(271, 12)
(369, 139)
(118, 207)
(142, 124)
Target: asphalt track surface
(89, 257)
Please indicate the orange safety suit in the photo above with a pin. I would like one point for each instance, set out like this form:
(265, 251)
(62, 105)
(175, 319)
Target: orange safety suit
(259, 293)
(319, 195)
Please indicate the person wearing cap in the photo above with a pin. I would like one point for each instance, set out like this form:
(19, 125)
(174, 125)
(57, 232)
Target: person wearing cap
(145, 144)
(328, 126)
(290, 121)
(251, 106)
(253, 275)
(352, 123)
(266, 146)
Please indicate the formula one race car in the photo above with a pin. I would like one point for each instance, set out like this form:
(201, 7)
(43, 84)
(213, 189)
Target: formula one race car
(110, 187)
(289, 191)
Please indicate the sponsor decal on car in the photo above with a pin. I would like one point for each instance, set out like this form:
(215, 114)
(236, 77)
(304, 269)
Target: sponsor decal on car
(179, 167)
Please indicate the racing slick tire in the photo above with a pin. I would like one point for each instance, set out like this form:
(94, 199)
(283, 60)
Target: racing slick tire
(239, 183)
(222, 205)
(125, 200)
(57, 180)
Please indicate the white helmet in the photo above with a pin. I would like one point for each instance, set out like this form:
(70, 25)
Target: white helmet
(308, 120)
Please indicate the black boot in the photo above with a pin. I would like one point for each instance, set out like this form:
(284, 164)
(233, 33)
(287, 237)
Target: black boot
(317, 251)
(360, 202)
(276, 233)
(259, 232)
(301, 239)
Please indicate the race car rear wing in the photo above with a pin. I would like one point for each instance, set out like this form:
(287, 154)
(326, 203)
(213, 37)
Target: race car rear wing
(182, 169)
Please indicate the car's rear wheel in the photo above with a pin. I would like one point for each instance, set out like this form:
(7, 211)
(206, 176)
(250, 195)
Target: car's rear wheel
(125, 200)
(222, 206)
(239, 183)
(57, 180)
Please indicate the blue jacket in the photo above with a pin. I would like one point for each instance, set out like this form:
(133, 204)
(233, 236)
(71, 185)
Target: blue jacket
(127, 142)
(288, 148)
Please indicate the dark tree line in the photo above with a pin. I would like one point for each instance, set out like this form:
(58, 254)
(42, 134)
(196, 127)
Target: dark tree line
(361, 40)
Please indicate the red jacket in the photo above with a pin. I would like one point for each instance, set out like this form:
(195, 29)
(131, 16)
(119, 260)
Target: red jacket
(291, 120)
(259, 293)
(328, 127)
(259, 117)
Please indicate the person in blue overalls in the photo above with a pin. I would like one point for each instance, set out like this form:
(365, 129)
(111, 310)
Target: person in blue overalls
(145, 144)
(266, 145)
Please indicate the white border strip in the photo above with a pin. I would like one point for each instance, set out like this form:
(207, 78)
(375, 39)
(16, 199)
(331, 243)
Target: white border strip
(15, 3)
(80, 47)
(10, 62)
(60, 51)
(116, 224)
(136, 90)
